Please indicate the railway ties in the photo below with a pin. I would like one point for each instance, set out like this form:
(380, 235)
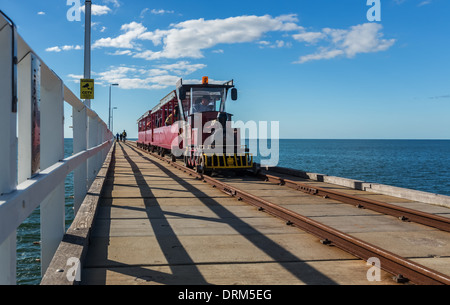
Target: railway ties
(160, 225)
(360, 231)
(404, 213)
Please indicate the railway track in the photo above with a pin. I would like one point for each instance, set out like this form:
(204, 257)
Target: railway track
(404, 214)
(403, 270)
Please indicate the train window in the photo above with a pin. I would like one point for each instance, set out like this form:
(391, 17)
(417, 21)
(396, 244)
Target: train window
(186, 105)
(207, 99)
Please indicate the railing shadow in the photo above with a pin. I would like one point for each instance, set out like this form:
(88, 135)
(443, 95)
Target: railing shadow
(167, 239)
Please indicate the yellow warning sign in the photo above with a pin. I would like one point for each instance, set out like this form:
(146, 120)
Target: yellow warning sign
(86, 89)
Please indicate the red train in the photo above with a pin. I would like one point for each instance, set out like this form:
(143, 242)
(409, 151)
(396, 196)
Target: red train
(191, 123)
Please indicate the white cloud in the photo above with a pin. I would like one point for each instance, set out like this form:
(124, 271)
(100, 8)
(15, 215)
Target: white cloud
(126, 41)
(161, 12)
(69, 48)
(132, 77)
(126, 77)
(163, 81)
(125, 52)
(426, 2)
(145, 10)
(53, 49)
(189, 38)
(363, 38)
(309, 37)
(41, 13)
(97, 10)
(281, 44)
(322, 54)
(75, 77)
(144, 55)
(64, 48)
(183, 67)
(154, 12)
(276, 44)
(115, 3)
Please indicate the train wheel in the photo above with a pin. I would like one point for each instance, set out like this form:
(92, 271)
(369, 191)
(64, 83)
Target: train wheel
(200, 166)
(199, 169)
(197, 165)
(174, 158)
(240, 172)
(256, 169)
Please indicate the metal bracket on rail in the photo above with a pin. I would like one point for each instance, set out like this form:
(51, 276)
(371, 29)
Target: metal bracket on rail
(400, 279)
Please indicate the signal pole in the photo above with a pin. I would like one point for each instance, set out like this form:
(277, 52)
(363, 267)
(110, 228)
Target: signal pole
(109, 117)
(87, 44)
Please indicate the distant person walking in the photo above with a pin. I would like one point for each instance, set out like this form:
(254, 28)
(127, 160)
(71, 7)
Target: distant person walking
(124, 135)
(117, 137)
(121, 137)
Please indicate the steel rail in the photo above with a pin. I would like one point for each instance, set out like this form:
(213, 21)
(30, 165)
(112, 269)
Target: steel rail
(404, 270)
(404, 214)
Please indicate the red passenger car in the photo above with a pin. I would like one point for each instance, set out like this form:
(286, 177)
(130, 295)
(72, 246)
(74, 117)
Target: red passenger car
(191, 123)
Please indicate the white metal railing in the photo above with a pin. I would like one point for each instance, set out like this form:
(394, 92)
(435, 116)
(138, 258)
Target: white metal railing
(32, 164)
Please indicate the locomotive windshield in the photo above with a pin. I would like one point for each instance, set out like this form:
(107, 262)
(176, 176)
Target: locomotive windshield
(207, 99)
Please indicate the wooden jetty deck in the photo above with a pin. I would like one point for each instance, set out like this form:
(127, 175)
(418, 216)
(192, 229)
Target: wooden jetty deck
(158, 225)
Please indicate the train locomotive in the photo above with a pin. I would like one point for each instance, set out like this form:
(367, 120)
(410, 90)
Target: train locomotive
(191, 124)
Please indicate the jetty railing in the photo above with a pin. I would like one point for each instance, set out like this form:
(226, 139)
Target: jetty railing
(32, 165)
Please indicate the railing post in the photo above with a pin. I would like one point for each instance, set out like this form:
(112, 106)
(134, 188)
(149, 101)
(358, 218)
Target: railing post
(104, 138)
(99, 157)
(52, 151)
(8, 148)
(92, 142)
(79, 144)
(29, 77)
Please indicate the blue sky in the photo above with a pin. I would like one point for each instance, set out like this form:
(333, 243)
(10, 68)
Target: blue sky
(320, 68)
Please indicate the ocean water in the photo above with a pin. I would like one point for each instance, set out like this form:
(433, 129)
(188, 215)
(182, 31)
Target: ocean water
(416, 164)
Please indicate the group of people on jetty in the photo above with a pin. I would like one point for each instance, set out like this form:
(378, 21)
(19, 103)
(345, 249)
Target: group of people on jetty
(122, 136)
